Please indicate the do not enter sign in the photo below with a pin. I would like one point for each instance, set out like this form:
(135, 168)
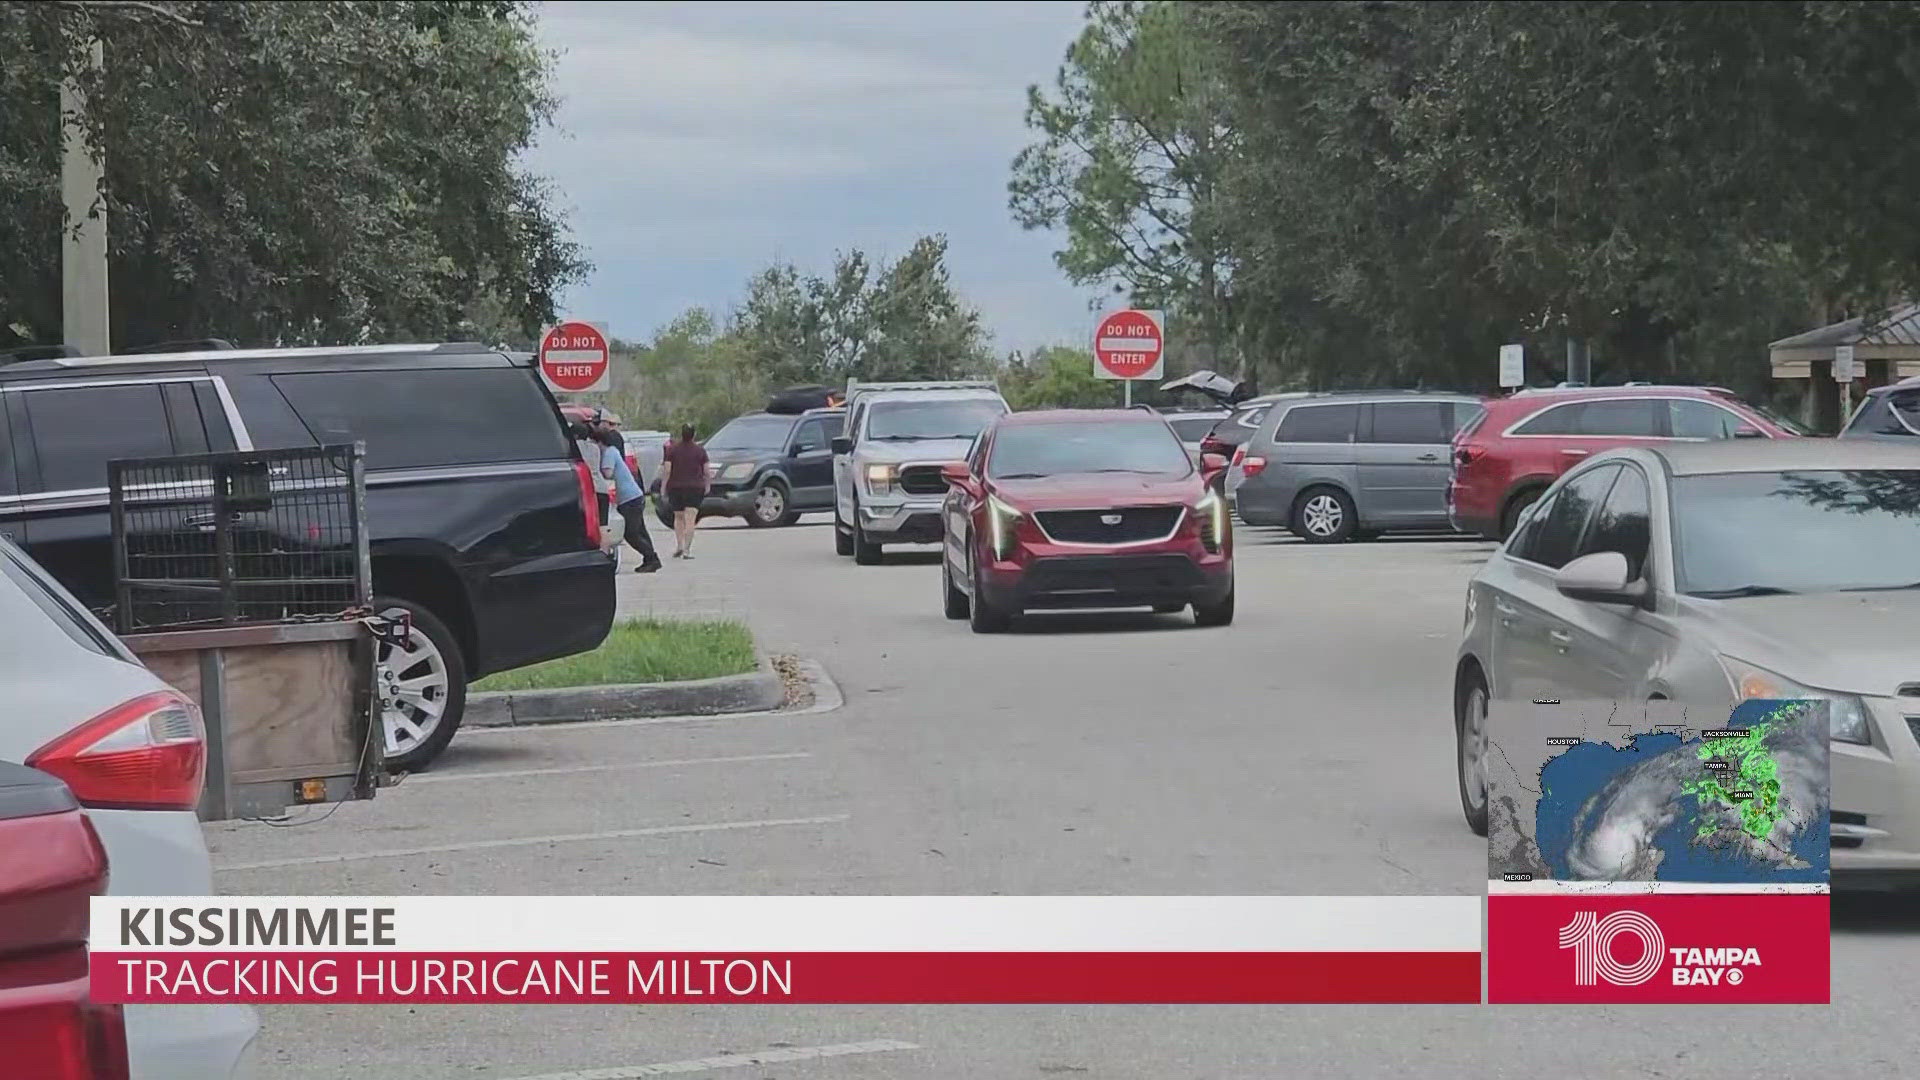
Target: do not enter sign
(1128, 345)
(573, 358)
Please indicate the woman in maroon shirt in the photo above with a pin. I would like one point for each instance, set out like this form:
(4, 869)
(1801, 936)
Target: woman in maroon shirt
(683, 481)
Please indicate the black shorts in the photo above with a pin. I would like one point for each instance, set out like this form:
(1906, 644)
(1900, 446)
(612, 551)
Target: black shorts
(684, 499)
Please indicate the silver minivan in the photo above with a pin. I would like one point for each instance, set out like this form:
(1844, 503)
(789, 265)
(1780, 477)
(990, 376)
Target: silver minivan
(1332, 466)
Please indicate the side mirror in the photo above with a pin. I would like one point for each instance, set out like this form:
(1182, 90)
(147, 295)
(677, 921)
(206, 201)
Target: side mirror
(1745, 431)
(955, 473)
(1602, 578)
(842, 444)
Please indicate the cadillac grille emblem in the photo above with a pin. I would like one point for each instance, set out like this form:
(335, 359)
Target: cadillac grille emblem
(1109, 519)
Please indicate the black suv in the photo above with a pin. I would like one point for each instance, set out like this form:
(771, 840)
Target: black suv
(481, 516)
(770, 467)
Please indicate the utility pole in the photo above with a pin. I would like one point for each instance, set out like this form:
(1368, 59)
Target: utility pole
(83, 251)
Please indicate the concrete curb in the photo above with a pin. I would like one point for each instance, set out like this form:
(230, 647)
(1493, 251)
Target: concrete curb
(755, 691)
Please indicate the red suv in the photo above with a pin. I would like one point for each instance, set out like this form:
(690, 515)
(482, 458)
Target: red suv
(1521, 443)
(1085, 508)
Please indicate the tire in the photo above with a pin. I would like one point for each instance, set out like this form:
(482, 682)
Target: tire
(1469, 738)
(661, 512)
(1323, 515)
(1168, 609)
(410, 683)
(842, 536)
(1218, 613)
(1510, 517)
(771, 506)
(865, 551)
(955, 603)
(982, 616)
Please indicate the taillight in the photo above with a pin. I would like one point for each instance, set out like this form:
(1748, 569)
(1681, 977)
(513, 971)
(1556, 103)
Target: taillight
(1239, 455)
(148, 754)
(589, 503)
(1252, 464)
(1467, 455)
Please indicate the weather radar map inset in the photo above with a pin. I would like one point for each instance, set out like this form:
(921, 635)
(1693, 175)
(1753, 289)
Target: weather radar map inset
(1612, 792)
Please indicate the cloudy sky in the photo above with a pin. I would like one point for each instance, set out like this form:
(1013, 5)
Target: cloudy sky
(698, 142)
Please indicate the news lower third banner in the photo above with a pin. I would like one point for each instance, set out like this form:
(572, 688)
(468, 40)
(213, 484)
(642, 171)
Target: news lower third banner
(800, 949)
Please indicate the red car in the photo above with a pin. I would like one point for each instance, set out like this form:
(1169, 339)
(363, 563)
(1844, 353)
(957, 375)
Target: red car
(1085, 508)
(1504, 460)
(51, 862)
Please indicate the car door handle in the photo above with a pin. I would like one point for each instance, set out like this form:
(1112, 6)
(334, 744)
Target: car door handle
(1562, 640)
(1429, 457)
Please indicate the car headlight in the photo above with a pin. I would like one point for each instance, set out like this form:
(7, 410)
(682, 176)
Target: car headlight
(1212, 512)
(1847, 714)
(739, 470)
(880, 478)
(1002, 520)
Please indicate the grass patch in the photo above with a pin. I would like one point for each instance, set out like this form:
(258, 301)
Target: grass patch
(642, 651)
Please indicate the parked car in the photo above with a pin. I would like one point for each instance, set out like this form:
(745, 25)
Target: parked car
(1084, 508)
(482, 517)
(1502, 462)
(51, 864)
(1334, 466)
(1229, 437)
(1712, 573)
(768, 467)
(887, 467)
(132, 751)
(1887, 412)
(1194, 425)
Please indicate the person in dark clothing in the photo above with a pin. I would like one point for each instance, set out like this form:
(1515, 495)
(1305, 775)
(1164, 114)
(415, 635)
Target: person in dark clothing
(629, 497)
(683, 480)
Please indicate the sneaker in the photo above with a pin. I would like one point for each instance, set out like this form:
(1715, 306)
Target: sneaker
(647, 567)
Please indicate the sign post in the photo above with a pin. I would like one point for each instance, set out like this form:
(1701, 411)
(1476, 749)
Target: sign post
(1845, 370)
(1513, 367)
(575, 358)
(1130, 345)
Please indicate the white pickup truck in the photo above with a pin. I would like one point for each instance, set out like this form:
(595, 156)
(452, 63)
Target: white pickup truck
(886, 466)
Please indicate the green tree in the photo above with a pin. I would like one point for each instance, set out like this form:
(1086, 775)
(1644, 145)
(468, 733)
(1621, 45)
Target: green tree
(1056, 377)
(289, 173)
(1130, 146)
(901, 320)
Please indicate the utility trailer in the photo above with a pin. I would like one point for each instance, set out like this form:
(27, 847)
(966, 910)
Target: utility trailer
(243, 580)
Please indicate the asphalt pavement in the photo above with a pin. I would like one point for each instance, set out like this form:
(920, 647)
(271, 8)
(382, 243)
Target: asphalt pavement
(1307, 749)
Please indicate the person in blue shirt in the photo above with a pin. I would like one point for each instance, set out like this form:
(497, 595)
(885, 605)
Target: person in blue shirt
(628, 496)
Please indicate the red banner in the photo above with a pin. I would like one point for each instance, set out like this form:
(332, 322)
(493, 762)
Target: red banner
(381, 977)
(1693, 948)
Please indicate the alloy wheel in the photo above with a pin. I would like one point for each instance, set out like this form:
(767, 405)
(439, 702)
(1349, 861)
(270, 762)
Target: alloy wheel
(411, 684)
(1323, 515)
(769, 503)
(1473, 748)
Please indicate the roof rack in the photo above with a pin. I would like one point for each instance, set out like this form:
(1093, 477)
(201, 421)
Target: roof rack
(188, 345)
(27, 354)
(448, 347)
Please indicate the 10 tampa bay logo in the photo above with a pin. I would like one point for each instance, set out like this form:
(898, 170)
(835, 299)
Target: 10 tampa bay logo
(1592, 939)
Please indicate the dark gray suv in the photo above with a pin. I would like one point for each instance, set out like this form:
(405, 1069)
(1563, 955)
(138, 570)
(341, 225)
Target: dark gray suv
(1333, 466)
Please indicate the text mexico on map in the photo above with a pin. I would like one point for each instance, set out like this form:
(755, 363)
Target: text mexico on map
(1655, 792)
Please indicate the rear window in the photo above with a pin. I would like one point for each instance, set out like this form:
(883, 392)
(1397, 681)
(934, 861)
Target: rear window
(1193, 428)
(1888, 414)
(421, 418)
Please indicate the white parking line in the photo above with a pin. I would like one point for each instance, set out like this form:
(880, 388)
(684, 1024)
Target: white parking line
(505, 774)
(530, 841)
(731, 1061)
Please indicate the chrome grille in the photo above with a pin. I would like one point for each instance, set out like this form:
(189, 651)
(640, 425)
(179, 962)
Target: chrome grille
(1113, 525)
(922, 480)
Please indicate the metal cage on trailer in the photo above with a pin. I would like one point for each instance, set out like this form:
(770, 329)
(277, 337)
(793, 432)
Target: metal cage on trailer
(244, 580)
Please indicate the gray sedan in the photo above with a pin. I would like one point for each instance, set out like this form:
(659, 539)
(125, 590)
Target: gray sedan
(1711, 573)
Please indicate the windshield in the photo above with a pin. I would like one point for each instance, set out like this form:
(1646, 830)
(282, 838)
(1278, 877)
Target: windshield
(1797, 532)
(907, 421)
(760, 432)
(1030, 451)
(1193, 428)
(1781, 419)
